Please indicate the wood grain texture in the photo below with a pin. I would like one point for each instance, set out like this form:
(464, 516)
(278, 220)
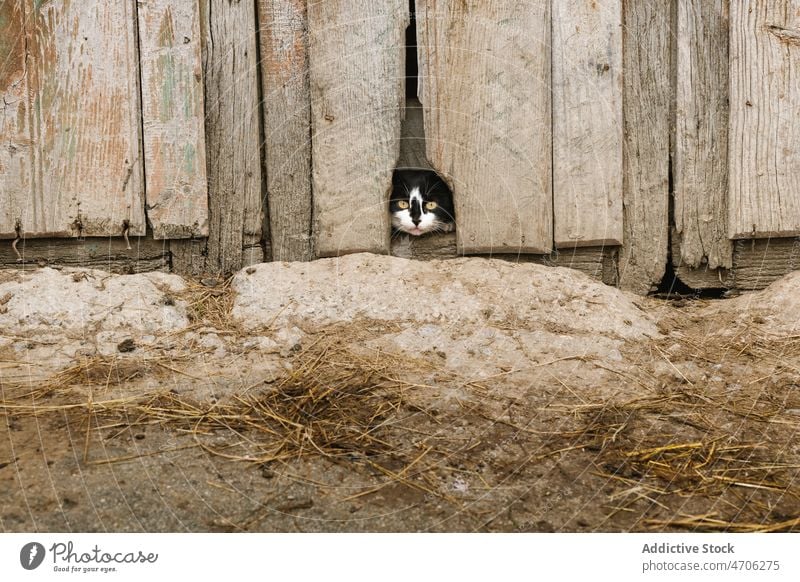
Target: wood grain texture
(188, 257)
(173, 118)
(759, 262)
(587, 122)
(287, 126)
(109, 254)
(701, 150)
(701, 276)
(77, 170)
(232, 133)
(16, 137)
(647, 28)
(357, 69)
(485, 87)
(764, 129)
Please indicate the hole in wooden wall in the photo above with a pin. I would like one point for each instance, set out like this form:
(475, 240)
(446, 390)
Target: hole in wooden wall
(412, 157)
(412, 153)
(412, 144)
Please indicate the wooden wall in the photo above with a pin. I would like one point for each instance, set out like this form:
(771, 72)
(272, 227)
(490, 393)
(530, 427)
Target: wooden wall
(701, 138)
(737, 152)
(628, 139)
(764, 193)
(647, 54)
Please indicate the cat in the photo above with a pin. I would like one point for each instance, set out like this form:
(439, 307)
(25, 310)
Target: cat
(421, 203)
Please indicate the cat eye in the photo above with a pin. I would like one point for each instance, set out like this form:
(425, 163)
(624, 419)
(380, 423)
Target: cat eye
(430, 205)
(402, 204)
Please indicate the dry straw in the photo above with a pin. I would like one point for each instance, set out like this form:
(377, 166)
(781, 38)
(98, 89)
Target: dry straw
(726, 443)
(335, 403)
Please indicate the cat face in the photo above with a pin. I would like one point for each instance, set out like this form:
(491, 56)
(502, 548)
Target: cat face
(420, 203)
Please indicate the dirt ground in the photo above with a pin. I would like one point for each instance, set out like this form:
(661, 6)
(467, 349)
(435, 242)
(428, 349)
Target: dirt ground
(378, 394)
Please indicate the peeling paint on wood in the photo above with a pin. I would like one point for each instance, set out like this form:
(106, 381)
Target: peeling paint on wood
(80, 173)
(16, 137)
(173, 118)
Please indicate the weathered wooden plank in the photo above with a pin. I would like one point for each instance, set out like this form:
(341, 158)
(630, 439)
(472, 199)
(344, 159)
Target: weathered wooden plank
(425, 248)
(109, 254)
(764, 130)
(89, 171)
(485, 85)
(647, 27)
(287, 126)
(757, 263)
(594, 261)
(188, 257)
(701, 276)
(173, 118)
(82, 86)
(587, 122)
(357, 69)
(232, 133)
(701, 150)
(16, 138)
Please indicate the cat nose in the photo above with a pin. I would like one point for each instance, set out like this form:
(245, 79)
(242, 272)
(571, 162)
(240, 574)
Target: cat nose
(416, 212)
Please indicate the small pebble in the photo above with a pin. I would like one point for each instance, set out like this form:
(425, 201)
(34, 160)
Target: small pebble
(127, 345)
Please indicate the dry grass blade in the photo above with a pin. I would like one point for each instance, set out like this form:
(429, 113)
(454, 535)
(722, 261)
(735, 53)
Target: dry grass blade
(708, 522)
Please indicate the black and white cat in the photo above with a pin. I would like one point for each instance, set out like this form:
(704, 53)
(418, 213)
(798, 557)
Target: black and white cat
(420, 203)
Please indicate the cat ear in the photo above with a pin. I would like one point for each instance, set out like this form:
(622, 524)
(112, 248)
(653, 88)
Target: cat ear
(441, 184)
(398, 178)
